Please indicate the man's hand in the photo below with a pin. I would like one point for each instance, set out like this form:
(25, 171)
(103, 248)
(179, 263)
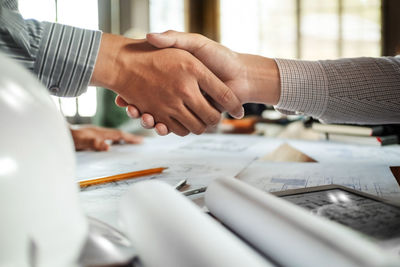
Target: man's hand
(94, 138)
(253, 79)
(163, 82)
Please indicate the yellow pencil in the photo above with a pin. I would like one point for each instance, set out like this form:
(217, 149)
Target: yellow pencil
(122, 176)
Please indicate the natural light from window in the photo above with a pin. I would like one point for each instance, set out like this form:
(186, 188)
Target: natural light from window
(167, 15)
(86, 16)
(304, 29)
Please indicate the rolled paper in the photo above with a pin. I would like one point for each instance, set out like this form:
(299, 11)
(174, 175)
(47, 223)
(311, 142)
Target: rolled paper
(167, 229)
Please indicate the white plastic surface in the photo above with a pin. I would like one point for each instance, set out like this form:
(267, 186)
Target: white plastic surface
(41, 221)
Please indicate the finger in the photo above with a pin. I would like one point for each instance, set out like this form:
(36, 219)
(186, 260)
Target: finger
(117, 136)
(113, 135)
(220, 93)
(147, 121)
(131, 139)
(99, 144)
(120, 102)
(203, 109)
(206, 50)
(175, 126)
(213, 103)
(78, 146)
(187, 41)
(132, 112)
(161, 129)
(84, 144)
(190, 121)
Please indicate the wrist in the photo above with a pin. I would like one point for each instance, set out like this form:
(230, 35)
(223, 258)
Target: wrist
(263, 79)
(107, 67)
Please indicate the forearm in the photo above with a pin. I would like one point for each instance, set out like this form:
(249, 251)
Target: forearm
(359, 90)
(108, 66)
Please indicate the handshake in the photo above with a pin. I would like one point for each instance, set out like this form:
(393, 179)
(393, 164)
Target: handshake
(180, 82)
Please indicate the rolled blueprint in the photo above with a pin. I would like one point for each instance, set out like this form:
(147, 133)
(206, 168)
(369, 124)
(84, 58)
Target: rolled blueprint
(168, 230)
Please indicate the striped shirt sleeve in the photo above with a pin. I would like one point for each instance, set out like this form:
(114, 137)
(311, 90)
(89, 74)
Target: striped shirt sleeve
(62, 57)
(353, 90)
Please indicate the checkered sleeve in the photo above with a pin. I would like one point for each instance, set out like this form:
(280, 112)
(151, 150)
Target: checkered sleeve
(354, 90)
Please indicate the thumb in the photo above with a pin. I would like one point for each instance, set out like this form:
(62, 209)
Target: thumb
(186, 41)
(162, 40)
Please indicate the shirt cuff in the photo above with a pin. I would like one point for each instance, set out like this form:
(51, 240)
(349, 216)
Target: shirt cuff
(66, 58)
(304, 87)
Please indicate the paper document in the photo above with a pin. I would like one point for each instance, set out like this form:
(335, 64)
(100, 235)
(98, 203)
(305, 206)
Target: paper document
(374, 179)
(209, 152)
(201, 159)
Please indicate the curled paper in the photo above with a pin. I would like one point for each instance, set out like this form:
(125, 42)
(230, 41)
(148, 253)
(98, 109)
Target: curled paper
(167, 229)
(286, 233)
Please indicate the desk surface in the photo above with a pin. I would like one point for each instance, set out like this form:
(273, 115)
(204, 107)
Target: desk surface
(200, 159)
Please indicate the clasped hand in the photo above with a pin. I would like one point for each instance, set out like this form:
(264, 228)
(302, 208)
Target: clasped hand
(170, 84)
(179, 82)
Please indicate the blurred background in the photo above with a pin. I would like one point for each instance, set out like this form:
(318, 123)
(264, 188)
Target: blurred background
(298, 29)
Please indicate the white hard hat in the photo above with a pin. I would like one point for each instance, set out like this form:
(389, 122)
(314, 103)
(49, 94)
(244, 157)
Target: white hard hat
(41, 220)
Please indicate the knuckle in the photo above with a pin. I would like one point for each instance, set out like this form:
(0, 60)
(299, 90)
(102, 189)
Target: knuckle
(213, 119)
(169, 32)
(225, 97)
(201, 39)
(185, 91)
(197, 35)
(190, 65)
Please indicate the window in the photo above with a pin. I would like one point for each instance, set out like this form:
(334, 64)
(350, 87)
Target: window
(71, 12)
(246, 26)
(167, 15)
(304, 29)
